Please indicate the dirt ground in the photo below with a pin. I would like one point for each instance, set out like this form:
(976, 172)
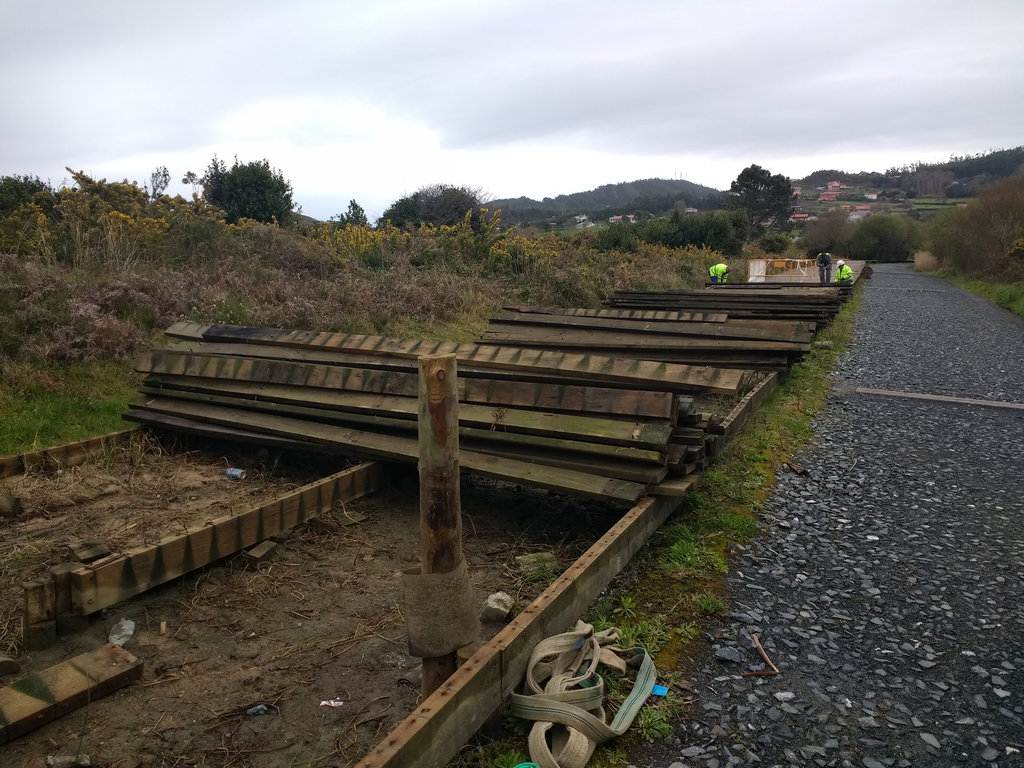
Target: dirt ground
(248, 655)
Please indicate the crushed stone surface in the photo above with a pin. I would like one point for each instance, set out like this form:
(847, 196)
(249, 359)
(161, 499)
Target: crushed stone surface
(886, 582)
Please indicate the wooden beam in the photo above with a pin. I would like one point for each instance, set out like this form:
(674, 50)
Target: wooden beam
(388, 352)
(601, 340)
(94, 587)
(627, 314)
(372, 408)
(393, 447)
(772, 330)
(42, 697)
(69, 455)
(443, 723)
(548, 396)
(940, 398)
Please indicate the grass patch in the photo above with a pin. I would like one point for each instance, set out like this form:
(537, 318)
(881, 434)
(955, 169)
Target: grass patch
(1006, 295)
(710, 604)
(55, 404)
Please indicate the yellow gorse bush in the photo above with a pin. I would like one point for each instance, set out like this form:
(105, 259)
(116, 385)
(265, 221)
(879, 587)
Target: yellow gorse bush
(358, 244)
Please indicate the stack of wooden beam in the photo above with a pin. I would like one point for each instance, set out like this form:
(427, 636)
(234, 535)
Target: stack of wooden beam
(692, 338)
(752, 301)
(581, 423)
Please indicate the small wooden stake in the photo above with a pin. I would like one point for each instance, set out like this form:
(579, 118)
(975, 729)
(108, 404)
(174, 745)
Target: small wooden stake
(440, 503)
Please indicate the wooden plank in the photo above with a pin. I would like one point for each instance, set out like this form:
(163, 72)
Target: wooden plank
(45, 696)
(475, 437)
(395, 448)
(515, 365)
(627, 314)
(98, 586)
(69, 455)
(597, 369)
(523, 394)
(940, 398)
(618, 467)
(773, 330)
(600, 340)
(443, 723)
(651, 435)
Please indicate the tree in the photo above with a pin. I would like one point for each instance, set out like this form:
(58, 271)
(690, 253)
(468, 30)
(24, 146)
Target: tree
(830, 232)
(193, 181)
(16, 191)
(885, 238)
(984, 239)
(159, 181)
(355, 215)
(767, 199)
(402, 213)
(249, 191)
(438, 204)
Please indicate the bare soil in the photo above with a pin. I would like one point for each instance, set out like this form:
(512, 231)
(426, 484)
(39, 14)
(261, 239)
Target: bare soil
(237, 660)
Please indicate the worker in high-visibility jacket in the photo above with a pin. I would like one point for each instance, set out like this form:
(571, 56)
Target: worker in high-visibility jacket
(844, 274)
(718, 273)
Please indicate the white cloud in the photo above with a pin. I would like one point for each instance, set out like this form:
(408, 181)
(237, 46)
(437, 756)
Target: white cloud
(373, 100)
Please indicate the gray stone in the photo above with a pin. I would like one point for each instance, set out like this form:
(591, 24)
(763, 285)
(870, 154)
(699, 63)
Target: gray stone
(730, 653)
(497, 607)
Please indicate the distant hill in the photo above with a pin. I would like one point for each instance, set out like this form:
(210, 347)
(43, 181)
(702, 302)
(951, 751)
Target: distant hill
(654, 196)
(958, 177)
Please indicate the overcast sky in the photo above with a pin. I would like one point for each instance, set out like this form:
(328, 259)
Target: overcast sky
(375, 99)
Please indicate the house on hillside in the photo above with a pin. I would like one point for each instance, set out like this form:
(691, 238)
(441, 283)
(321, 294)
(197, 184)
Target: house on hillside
(799, 218)
(828, 196)
(870, 195)
(834, 186)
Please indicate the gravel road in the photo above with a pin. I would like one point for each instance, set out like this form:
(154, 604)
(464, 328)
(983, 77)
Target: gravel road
(886, 585)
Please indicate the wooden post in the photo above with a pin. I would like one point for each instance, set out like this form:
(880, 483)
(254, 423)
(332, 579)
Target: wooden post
(440, 503)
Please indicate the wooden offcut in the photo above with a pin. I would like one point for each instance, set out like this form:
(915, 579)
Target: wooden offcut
(44, 696)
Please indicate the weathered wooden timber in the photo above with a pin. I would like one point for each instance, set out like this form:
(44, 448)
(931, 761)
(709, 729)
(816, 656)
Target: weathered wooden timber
(589, 423)
(392, 410)
(60, 456)
(109, 581)
(626, 314)
(473, 359)
(774, 330)
(42, 697)
(604, 339)
(389, 447)
(581, 399)
(808, 304)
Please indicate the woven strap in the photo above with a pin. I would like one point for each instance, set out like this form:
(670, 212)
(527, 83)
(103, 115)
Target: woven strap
(565, 695)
